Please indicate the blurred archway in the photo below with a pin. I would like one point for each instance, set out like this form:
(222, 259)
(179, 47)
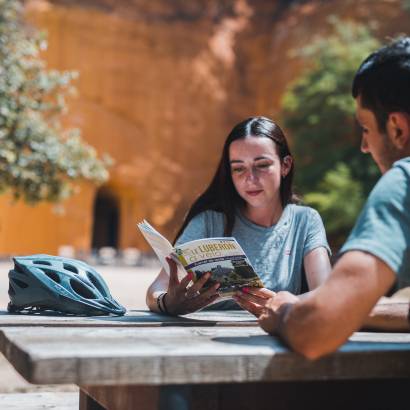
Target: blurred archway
(106, 217)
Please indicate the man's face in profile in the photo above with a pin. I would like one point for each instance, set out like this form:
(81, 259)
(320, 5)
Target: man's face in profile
(373, 141)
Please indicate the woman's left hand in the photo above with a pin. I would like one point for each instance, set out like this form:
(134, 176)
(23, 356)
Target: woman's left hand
(253, 299)
(269, 318)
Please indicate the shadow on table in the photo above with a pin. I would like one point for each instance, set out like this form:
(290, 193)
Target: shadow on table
(213, 318)
(252, 340)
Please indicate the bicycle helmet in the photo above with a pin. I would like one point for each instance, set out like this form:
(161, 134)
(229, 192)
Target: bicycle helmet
(52, 283)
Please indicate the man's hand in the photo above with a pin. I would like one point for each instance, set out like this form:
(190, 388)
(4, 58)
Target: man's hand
(274, 308)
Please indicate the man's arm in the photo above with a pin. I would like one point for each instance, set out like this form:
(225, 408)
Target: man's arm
(319, 323)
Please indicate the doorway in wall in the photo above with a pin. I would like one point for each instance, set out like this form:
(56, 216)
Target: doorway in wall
(106, 219)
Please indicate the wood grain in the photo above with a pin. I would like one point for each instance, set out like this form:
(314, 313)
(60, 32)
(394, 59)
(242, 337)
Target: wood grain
(194, 355)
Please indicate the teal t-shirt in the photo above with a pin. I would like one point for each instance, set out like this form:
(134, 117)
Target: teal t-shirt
(276, 252)
(383, 227)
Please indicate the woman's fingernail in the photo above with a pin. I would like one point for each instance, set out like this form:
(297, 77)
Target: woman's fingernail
(245, 290)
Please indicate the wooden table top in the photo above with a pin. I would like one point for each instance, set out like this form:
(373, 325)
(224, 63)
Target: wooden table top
(156, 355)
(133, 318)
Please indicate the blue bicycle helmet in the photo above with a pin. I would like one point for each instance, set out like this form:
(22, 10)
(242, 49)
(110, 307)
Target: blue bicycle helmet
(52, 283)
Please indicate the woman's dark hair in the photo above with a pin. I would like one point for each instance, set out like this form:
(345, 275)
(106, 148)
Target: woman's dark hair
(383, 81)
(221, 195)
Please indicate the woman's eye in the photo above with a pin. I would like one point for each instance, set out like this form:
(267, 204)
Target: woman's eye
(237, 170)
(263, 165)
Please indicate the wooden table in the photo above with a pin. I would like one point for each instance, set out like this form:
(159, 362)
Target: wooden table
(208, 360)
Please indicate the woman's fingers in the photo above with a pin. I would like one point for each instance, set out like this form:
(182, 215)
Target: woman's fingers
(210, 292)
(198, 285)
(185, 280)
(189, 305)
(254, 308)
(182, 300)
(173, 272)
(253, 298)
(260, 292)
(200, 300)
(256, 296)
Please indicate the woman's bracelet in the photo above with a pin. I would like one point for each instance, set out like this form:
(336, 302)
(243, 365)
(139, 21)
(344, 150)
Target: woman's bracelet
(161, 303)
(164, 306)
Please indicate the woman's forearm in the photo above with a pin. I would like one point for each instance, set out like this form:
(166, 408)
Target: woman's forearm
(317, 267)
(391, 316)
(157, 287)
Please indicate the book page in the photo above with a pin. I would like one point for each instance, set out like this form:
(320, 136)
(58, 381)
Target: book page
(224, 258)
(161, 246)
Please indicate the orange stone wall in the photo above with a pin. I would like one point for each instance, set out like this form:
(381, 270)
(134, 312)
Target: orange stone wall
(160, 85)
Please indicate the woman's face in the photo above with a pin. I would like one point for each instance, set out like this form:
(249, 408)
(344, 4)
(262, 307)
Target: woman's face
(256, 171)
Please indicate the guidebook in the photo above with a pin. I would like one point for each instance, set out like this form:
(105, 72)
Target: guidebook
(222, 257)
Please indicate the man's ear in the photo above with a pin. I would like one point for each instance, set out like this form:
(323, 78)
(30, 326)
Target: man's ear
(398, 129)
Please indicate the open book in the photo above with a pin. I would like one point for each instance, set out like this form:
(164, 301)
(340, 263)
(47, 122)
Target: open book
(223, 257)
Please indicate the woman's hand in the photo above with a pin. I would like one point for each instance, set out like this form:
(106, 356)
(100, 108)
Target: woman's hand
(181, 300)
(254, 299)
(269, 317)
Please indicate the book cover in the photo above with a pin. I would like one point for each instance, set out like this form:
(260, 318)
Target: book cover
(222, 257)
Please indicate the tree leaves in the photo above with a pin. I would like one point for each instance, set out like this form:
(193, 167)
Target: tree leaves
(38, 159)
(318, 110)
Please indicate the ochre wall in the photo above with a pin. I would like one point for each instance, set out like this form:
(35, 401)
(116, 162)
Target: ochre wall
(43, 228)
(161, 84)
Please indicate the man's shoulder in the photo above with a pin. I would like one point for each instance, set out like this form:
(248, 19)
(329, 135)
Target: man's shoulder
(385, 216)
(402, 166)
(393, 184)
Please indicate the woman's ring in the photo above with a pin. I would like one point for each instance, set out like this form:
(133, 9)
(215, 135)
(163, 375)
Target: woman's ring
(189, 295)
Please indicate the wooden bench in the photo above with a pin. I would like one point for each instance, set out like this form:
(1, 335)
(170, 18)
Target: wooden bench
(39, 401)
(207, 361)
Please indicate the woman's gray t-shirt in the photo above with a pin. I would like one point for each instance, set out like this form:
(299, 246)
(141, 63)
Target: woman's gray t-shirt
(276, 252)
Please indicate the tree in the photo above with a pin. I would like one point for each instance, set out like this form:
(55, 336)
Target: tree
(406, 5)
(318, 110)
(339, 197)
(39, 160)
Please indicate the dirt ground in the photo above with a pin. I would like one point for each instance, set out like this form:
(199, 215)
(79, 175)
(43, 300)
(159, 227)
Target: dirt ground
(127, 285)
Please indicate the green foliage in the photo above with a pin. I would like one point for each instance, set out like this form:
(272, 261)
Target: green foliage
(318, 110)
(38, 159)
(406, 4)
(339, 197)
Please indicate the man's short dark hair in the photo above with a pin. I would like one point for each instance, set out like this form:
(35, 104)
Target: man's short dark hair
(383, 81)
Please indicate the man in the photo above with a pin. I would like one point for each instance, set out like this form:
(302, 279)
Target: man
(377, 253)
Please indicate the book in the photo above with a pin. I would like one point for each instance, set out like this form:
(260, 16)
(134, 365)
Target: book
(222, 257)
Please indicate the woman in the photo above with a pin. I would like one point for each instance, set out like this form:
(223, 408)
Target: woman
(250, 198)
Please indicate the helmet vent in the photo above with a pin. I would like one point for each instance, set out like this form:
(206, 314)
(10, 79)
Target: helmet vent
(106, 303)
(39, 262)
(81, 289)
(20, 283)
(19, 269)
(97, 283)
(71, 268)
(52, 275)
